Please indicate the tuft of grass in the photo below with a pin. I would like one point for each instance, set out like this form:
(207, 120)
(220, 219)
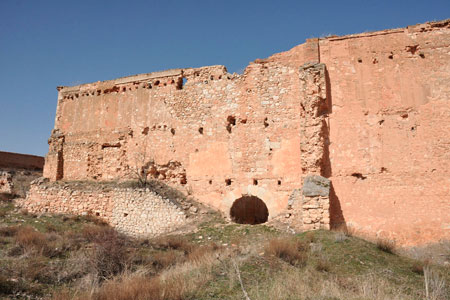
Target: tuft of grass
(386, 245)
(323, 264)
(288, 249)
(346, 230)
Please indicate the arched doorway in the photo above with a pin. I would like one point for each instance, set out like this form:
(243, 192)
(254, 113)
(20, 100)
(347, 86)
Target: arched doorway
(249, 210)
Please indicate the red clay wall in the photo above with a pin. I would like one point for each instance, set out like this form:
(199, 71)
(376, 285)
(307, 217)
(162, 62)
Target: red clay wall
(390, 122)
(20, 161)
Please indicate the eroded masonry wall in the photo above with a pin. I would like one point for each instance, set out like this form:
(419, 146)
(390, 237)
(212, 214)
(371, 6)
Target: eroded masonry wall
(217, 135)
(389, 124)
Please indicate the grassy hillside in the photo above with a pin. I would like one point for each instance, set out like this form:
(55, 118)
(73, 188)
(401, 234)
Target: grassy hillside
(68, 257)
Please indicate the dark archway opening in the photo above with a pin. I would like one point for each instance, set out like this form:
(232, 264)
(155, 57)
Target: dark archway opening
(249, 210)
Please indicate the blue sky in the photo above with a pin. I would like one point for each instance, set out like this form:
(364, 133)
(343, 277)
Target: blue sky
(46, 43)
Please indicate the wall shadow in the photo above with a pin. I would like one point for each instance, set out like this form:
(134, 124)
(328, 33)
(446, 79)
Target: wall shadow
(337, 219)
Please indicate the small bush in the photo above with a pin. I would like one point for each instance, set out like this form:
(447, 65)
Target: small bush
(37, 268)
(386, 245)
(110, 255)
(289, 250)
(95, 233)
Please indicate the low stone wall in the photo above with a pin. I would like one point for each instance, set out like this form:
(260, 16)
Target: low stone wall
(137, 212)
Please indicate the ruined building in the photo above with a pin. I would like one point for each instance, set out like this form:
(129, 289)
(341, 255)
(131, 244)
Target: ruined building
(368, 112)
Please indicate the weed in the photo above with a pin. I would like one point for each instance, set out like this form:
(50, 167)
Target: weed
(288, 249)
(385, 245)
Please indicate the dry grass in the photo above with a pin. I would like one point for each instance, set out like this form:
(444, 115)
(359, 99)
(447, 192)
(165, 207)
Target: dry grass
(173, 242)
(31, 240)
(288, 249)
(133, 287)
(162, 260)
(386, 245)
(435, 286)
(323, 264)
(310, 237)
(9, 231)
(174, 283)
(308, 284)
(197, 254)
(347, 230)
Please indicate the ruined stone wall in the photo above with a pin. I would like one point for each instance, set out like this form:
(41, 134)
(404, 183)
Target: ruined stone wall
(369, 111)
(137, 212)
(216, 134)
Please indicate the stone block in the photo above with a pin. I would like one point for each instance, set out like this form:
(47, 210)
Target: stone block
(315, 185)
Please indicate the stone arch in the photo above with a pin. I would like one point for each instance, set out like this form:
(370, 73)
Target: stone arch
(249, 210)
(270, 201)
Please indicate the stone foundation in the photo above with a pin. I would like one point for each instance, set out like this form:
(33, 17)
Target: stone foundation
(137, 212)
